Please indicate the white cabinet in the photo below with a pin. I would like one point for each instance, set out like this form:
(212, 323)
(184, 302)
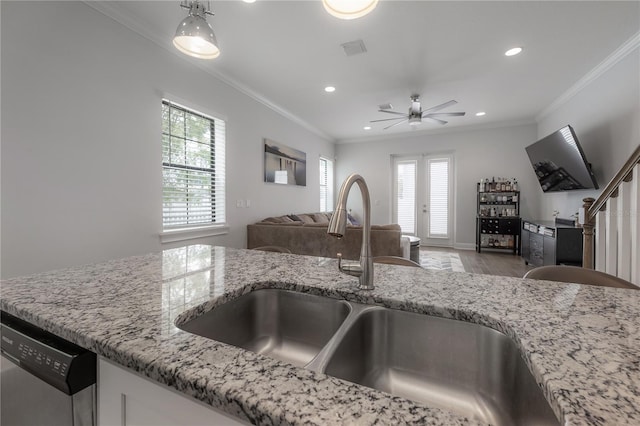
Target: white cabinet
(128, 399)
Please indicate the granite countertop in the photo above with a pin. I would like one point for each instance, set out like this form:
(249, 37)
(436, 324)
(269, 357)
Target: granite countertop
(582, 343)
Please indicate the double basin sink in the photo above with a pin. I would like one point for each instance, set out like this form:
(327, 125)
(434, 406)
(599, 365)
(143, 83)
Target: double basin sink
(463, 367)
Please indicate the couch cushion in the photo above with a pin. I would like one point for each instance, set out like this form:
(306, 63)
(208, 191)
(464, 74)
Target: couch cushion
(278, 219)
(306, 218)
(320, 218)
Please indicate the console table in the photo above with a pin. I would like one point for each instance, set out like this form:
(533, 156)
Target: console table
(551, 243)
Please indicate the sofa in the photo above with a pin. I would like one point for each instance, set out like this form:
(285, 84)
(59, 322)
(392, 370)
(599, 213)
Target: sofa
(307, 234)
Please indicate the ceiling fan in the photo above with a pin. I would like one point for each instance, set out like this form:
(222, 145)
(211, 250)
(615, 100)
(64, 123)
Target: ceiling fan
(416, 113)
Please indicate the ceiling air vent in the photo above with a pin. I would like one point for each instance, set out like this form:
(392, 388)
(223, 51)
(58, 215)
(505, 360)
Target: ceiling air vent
(355, 47)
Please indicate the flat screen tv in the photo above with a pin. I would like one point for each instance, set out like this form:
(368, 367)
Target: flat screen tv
(559, 162)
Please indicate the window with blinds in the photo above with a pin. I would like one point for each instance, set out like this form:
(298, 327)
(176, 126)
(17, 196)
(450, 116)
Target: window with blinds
(438, 169)
(405, 191)
(326, 185)
(193, 168)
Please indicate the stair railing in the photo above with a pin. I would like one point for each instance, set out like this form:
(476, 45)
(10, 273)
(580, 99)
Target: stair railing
(611, 225)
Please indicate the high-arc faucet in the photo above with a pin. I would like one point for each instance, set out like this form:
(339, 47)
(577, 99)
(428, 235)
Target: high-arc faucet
(363, 269)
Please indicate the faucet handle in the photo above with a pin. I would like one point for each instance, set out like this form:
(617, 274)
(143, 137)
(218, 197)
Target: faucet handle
(348, 267)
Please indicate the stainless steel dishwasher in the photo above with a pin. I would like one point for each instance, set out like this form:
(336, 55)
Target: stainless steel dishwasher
(45, 380)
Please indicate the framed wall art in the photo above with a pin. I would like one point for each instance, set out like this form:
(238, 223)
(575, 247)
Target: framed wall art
(284, 165)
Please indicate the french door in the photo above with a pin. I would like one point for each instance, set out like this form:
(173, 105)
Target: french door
(423, 197)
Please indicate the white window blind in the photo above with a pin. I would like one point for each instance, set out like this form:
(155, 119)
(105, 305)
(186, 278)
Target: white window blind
(326, 185)
(438, 197)
(193, 168)
(406, 175)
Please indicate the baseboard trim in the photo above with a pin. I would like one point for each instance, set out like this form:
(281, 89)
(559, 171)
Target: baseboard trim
(464, 246)
(456, 246)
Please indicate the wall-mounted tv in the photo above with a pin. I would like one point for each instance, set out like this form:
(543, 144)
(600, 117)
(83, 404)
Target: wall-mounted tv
(559, 162)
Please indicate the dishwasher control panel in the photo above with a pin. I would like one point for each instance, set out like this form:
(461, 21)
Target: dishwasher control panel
(32, 353)
(59, 362)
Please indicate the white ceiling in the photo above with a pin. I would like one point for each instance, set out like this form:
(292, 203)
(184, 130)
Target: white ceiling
(285, 52)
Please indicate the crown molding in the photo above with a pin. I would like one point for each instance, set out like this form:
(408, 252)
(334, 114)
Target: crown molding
(619, 54)
(110, 10)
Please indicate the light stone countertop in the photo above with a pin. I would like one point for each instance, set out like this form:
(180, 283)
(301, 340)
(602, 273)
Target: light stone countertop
(582, 343)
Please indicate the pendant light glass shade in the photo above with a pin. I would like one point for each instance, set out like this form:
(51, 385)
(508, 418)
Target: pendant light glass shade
(349, 9)
(195, 36)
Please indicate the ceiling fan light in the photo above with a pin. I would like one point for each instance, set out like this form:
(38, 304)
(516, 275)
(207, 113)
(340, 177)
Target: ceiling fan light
(195, 37)
(349, 9)
(414, 121)
(513, 52)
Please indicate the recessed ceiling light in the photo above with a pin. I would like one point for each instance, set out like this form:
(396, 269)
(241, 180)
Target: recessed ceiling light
(350, 9)
(329, 89)
(249, 1)
(480, 114)
(367, 127)
(513, 52)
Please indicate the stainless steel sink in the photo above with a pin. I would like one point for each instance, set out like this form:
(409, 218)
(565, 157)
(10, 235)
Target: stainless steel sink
(463, 367)
(285, 325)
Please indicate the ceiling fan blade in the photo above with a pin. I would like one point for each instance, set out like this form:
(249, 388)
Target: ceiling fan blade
(437, 120)
(444, 114)
(439, 107)
(395, 124)
(388, 119)
(392, 112)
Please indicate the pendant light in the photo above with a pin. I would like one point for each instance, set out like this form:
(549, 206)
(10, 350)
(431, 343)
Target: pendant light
(194, 35)
(349, 9)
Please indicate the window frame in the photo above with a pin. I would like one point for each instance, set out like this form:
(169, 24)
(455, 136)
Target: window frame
(183, 231)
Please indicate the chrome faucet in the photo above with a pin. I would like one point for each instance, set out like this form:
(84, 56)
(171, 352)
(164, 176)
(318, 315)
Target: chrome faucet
(363, 269)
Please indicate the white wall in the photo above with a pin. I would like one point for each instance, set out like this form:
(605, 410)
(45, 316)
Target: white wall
(479, 153)
(81, 143)
(606, 118)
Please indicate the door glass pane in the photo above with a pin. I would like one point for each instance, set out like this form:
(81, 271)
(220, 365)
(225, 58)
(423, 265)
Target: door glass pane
(439, 198)
(406, 196)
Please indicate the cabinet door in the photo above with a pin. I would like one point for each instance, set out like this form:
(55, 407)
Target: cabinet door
(549, 250)
(526, 252)
(126, 399)
(537, 247)
(569, 246)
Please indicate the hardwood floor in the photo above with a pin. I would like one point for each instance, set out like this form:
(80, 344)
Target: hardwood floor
(490, 263)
